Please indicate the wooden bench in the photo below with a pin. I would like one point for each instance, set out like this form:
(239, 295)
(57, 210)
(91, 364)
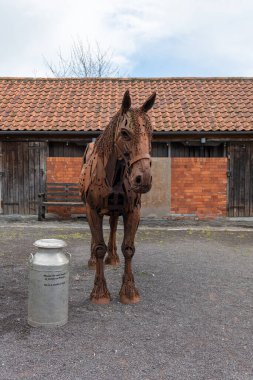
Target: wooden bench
(59, 194)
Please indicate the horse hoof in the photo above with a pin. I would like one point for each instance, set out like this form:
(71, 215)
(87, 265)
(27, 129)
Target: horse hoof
(128, 301)
(92, 264)
(114, 261)
(100, 301)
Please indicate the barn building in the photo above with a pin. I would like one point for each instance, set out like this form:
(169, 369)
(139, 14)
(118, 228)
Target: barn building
(202, 142)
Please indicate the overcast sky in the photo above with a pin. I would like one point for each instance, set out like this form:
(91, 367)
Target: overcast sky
(149, 38)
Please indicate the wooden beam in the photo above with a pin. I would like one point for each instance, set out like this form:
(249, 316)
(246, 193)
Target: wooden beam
(1, 176)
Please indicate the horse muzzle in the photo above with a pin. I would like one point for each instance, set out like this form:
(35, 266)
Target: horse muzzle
(140, 177)
(142, 189)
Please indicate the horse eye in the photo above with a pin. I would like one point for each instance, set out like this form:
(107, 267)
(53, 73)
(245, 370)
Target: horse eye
(125, 135)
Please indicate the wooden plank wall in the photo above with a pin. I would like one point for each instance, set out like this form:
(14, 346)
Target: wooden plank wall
(23, 176)
(240, 196)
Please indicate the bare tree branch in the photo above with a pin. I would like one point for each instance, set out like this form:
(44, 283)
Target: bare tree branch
(84, 61)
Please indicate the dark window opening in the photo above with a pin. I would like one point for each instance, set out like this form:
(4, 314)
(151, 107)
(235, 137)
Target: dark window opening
(196, 149)
(66, 149)
(159, 149)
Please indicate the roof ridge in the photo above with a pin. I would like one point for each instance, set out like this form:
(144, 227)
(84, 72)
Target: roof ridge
(124, 79)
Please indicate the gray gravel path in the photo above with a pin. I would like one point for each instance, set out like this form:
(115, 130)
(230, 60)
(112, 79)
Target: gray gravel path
(195, 319)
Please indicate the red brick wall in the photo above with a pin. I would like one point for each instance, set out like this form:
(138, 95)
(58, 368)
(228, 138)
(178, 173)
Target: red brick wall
(199, 186)
(64, 169)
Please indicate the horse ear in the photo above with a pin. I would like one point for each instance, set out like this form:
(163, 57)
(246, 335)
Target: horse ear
(149, 103)
(126, 102)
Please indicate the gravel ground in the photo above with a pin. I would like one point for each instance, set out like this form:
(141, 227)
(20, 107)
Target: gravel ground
(194, 320)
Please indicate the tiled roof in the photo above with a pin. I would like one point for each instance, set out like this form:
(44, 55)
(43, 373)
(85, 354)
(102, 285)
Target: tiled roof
(77, 104)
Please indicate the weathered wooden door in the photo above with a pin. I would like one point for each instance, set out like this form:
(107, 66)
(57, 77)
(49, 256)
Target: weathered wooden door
(23, 176)
(240, 202)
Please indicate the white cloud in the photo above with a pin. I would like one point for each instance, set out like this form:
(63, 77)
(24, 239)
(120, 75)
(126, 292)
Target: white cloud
(214, 34)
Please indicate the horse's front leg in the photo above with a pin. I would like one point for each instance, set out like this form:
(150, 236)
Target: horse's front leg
(128, 293)
(92, 260)
(100, 294)
(112, 257)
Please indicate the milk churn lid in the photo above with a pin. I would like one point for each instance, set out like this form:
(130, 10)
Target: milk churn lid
(50, 243)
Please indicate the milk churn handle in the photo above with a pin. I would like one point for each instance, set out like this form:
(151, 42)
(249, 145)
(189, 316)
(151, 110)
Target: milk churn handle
(69, 255)
(31, 258)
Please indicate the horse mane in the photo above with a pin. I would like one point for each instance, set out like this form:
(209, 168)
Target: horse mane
(105, 142)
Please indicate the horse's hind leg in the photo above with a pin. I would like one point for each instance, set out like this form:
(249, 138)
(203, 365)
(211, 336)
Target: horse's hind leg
(100, 294)
(112, 257)
(128, 293)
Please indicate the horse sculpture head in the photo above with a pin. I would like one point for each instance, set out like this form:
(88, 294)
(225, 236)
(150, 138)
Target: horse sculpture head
(132, 141)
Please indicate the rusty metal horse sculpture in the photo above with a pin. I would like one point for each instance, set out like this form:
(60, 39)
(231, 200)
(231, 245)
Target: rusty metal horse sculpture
(116, 170)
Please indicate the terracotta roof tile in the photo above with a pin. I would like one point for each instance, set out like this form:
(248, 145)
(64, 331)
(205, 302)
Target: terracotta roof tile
(87, 104)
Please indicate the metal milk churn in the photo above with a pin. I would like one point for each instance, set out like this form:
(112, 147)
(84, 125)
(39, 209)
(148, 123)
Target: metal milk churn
(48, 284)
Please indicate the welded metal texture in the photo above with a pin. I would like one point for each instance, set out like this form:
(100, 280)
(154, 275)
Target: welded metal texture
(116, 170)
(48, 284)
